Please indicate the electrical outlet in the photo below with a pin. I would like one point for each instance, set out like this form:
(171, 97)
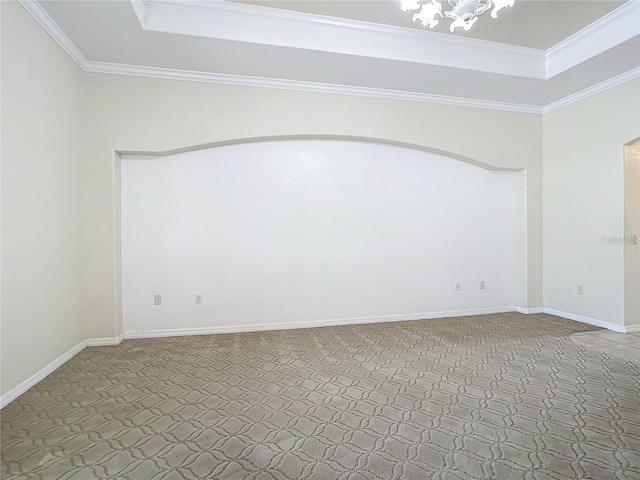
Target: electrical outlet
(457, 286)
(157, 299)
(483, 285)
(198, 299)
(580, 290)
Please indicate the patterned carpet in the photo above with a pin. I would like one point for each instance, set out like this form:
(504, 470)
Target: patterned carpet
(504, 396)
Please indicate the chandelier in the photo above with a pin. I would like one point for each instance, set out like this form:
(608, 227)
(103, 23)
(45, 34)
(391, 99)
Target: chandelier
(463, 13)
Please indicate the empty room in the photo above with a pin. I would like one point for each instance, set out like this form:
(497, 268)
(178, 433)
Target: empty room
(320, 239)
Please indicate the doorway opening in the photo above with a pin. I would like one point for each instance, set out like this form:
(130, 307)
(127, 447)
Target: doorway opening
(632, 234)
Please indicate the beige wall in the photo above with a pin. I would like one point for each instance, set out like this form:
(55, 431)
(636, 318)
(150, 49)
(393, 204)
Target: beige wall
(41, 199)
(583, 202)
(147, 115)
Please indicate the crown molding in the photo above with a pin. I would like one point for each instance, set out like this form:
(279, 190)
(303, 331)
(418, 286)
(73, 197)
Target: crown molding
(46, 22)
(616, 27)
(43, 18)
(271, 26)
(334, 89)
(297, 85)
(593, 90)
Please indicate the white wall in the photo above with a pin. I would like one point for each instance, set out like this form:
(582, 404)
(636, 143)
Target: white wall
(302, 231)
(583, 202)
(41, 201)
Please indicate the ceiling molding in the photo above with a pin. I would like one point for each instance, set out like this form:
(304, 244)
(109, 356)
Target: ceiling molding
(297, 85)
(587, 92)
(52, 28)
(138, 9)
(43, 18)
(616, 27)
(271, 26)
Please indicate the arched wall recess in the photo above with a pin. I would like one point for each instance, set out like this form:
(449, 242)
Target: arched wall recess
(286, 232)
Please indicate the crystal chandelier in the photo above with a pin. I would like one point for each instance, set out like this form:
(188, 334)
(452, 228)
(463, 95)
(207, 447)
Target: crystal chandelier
(463, 13)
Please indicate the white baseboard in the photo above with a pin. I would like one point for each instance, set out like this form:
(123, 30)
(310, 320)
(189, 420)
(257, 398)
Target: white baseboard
(256, 327)
(529, 311)
(632, 328)
(94, 342)
(15, 392)
(103, 342)
(591, 321)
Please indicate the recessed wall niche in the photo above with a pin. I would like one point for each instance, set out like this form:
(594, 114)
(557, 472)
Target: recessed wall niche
(308, 232)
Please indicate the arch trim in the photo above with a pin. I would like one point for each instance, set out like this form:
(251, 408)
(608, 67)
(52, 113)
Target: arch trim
(337, 138)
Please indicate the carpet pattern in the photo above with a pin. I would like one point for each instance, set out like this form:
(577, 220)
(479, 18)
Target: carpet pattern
(504, 396)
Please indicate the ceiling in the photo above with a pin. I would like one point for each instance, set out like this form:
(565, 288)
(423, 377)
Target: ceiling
(529, 23)
(536, 56)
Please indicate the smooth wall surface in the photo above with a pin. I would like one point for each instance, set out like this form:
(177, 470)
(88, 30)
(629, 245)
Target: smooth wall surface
(584, 202)
(129, 114)
(300, 231)
(632, 234)
(41, 199)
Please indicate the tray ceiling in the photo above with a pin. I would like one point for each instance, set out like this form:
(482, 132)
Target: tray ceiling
(347, 50)
(529, 23)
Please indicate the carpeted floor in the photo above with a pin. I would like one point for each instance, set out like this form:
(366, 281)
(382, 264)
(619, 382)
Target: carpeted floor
(505, 396)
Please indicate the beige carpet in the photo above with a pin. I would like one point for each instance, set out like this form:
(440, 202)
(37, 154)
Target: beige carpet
(500, 396)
